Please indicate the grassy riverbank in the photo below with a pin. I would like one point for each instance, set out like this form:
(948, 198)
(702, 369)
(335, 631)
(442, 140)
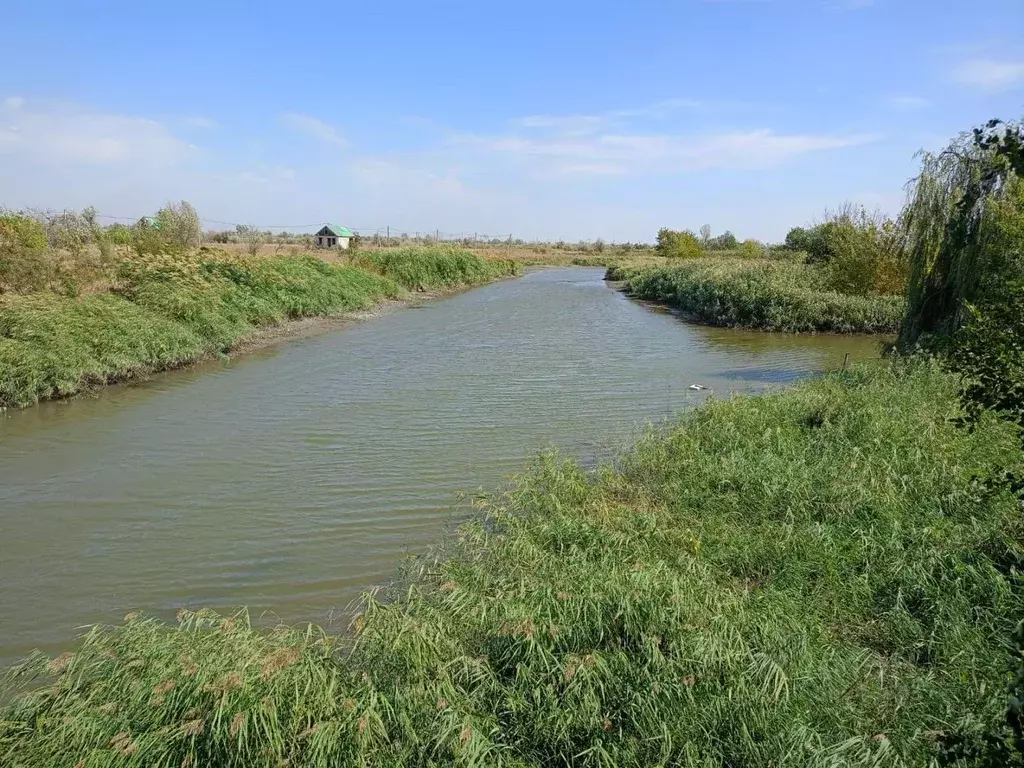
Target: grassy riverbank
(770, 295)
(167, 311)
(808, 578)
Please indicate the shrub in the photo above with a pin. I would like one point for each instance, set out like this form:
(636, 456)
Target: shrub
(752, 249)
(724, 242)
(678, 245)
(26, 264)
(180, 225)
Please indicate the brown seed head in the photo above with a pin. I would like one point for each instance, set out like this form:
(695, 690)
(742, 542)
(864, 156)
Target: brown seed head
(563, 595)
(442, 704)
(363, 723)
(606, 724)
(192, 727)
(122, 742)
(228, 626)
(164, 687)
(465, 735)
(278, 660)
(132, 616)
(59, 664)
(108, 709)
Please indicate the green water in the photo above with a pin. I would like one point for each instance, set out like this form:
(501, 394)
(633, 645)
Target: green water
(292, 479)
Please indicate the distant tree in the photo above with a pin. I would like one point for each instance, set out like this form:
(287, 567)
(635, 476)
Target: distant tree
(752, 249)
(251, 236)
(179, 225)
(678, 244)
(119, 234)
(798, 239)
(724, 242)
(705, 236)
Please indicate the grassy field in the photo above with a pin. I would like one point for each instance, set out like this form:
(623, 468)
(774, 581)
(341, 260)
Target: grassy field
(166, 311)
(770, 295)
(804, 579)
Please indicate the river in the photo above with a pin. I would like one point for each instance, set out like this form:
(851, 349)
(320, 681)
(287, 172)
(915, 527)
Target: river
(291, 479)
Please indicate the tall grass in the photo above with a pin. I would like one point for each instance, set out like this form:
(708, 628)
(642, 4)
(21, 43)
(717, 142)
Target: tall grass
(803, 579)
(771, 295)
(429, 268)
(170, 310)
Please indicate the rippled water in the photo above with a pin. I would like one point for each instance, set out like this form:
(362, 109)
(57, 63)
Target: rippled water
(292, 479)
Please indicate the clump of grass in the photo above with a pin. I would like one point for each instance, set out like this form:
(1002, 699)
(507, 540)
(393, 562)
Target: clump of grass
(172, 309)
(433, 267)
(803, 579)
(770, 295)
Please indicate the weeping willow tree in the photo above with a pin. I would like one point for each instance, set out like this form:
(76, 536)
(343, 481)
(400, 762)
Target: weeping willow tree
(952, 229)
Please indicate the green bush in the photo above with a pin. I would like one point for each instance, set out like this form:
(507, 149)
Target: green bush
(26, 263)
(678, 245)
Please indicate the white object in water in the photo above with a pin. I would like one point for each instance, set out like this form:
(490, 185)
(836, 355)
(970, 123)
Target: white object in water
(698, 387)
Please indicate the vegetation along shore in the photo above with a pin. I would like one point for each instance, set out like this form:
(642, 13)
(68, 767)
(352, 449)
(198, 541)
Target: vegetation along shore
(101, 312)
(824, 576)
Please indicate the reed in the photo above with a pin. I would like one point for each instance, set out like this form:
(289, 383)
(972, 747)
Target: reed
(169, 310)
(770, 295)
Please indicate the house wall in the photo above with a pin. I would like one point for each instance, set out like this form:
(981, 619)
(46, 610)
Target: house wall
(339, 242)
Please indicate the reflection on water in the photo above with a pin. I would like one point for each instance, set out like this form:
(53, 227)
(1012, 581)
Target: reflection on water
(291, 479)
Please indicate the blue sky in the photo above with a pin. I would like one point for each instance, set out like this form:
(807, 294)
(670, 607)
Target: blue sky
(541, 119)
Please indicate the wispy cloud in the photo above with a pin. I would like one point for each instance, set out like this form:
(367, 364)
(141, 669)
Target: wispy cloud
(990, 74)
(634, 153)
(593, 123)
(198, 121)
(311, 126)
(908, 103)
(55, 133)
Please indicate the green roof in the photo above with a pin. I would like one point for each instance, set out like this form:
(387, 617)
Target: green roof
(339, 231)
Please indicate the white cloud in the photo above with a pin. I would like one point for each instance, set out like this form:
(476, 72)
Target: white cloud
(55, 133)
(908, 103)
(311, 126)
(629, 153)
(990, 74)
(587, 124)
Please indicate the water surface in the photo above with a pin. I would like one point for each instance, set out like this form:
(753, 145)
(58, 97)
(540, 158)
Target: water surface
(292, 479)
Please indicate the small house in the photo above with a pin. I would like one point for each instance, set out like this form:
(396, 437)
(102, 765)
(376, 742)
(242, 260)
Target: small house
(332, 236)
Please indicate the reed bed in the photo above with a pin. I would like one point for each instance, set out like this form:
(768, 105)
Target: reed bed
(769, 295)
(807, 578)
(171, 310)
